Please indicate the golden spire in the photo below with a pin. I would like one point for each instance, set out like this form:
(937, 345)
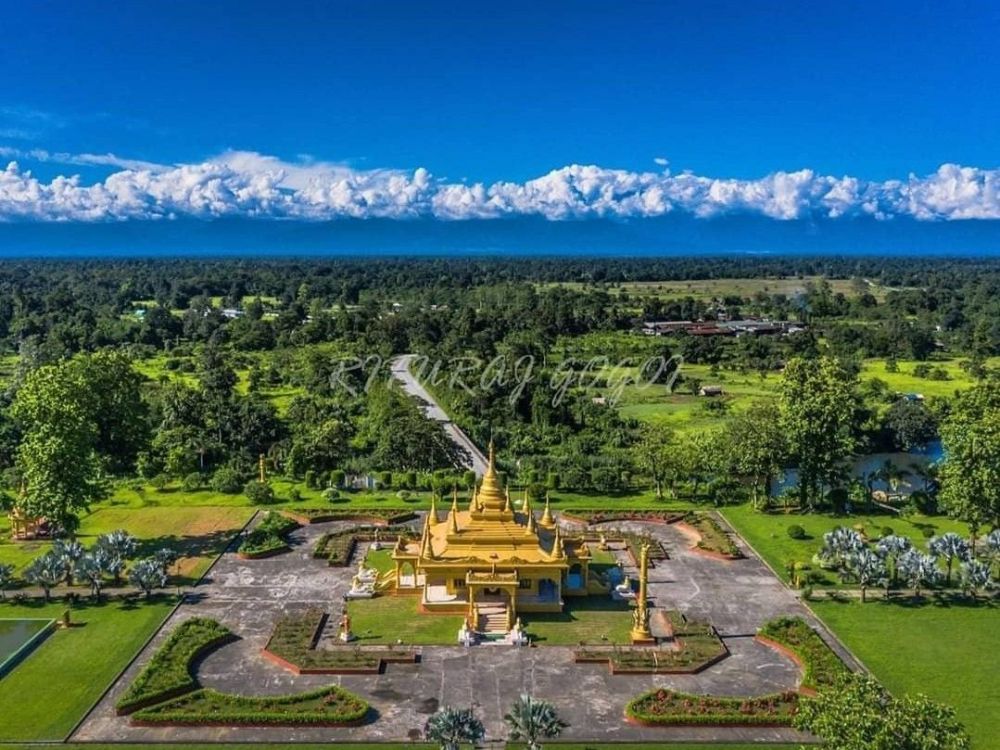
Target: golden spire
(453, 515)
(531, 528)
(547, 520)
(557, 545)
(491, 495)
(640, 615)
(426, 548)
(524, 502)
(474, 500)
(506, 505)
(432, 515)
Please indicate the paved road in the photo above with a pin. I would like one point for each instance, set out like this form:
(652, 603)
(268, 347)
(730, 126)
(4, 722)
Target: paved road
(475, 459)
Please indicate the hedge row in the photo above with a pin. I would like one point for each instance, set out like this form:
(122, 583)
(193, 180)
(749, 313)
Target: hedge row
(269, 536)
(325, 707)
(168, 672)
(338, 546)
(822, 666)
(323, 515)
(670, 708)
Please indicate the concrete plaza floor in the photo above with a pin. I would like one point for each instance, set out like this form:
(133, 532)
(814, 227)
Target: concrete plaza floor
(248, 596)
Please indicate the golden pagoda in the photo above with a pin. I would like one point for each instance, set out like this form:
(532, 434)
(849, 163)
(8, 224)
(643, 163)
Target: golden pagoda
(490, 561)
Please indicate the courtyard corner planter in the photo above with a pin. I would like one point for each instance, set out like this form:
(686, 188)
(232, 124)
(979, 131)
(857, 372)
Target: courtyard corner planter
(168, 674)
(665, 708)
(327, 707)
(793, 637)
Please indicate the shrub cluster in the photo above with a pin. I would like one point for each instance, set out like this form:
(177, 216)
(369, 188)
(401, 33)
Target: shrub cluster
(168, 673)
(269, 536)
(822, 666)
(324, 707)
(713, 537)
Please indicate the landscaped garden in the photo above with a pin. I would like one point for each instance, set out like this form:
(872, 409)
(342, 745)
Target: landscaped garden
(50, 691)
(388, 619)
(589, 620)
(665, 707)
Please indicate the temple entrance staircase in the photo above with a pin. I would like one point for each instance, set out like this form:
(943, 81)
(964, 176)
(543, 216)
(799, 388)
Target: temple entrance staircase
(493, 620)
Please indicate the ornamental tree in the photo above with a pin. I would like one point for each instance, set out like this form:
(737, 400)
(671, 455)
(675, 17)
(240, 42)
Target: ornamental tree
(146, 575)
(951, 547)
(868, 568)
(451, 728)
(918, 570)
(47, 572)
(531, 721)
(860, 714)
(890, 548)
(976, 577)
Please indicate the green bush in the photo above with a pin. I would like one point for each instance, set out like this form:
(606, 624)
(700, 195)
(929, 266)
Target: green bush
(259, 493)
(331, 495)
(160, 482)
(886, 531)
(226, 480)
(192, 482)
(796, 532)
(337, 478)
(269, 536)
(385, 479)
(310, 479)
(295, 495)
(168, 672)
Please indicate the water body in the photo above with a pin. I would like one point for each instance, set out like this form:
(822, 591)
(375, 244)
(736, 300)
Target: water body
(15, 633)
(864, 466)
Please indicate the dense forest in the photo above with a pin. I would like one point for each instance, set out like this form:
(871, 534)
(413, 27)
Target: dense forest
(188, 371)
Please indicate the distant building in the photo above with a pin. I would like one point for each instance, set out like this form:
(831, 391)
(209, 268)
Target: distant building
(232, 313)
(711, 390)
(722, 327)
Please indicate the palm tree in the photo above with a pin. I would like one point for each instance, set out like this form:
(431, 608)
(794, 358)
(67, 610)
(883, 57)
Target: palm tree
(890, 548)
(868, 568)
(147, 575)
(451, 728)
(92, 567)
(6, 576)
(46, 571)
(69, 552)
(531, 721)
(976, 576)
(951, 547)
(918, 569)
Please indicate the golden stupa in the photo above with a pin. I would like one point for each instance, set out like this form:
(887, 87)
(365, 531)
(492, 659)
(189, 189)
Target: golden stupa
(490, 561)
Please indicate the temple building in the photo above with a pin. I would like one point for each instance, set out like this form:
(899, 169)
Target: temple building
(490, 561)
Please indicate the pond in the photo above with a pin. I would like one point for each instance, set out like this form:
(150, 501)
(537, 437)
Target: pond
(862, 467)
(17, 638)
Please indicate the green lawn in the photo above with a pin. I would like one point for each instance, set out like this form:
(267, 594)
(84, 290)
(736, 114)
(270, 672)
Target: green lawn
(592, 620)
(386, 619)
(199, 534)
(947, 651)
(50, 691)
(768, 532)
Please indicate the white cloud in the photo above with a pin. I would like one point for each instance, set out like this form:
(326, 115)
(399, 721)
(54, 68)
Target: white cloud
(249, 184)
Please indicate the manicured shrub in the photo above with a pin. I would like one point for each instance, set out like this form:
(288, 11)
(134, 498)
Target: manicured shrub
(331, 495)
(168, 672)
(886, 531)
(404, 494)
(385, 479)
(822, 666)
(337, 478)
(796, 532)
(160, 482)
(295, 494)
(259, 493)
(310, 479)
(192, 482)
(269, 536)
(668, 707)
(226, 480)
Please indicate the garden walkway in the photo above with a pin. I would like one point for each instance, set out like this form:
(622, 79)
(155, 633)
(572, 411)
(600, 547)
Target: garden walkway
(248, 596)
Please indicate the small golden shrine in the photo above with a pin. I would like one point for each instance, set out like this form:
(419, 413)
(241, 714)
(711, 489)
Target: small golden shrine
(23, 526)
(491, 561)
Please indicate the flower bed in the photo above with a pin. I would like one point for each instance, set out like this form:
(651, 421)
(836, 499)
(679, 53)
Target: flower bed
(670, 708)
(269, 537)
(293, 646)
(713, 539)
(168, 673)
(329, 706)
(822, 667)
(698, 647)
(338, 546)
(306, 516)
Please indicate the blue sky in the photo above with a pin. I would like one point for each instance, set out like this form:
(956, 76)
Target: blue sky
(399, 110)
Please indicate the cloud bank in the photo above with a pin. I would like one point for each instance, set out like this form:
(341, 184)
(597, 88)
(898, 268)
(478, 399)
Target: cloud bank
(253, 185)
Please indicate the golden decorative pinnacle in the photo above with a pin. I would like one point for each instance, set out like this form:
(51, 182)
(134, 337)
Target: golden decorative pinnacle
(547, 520)
(525, 505)
(557, 544)
(432, 515)
(640, 617)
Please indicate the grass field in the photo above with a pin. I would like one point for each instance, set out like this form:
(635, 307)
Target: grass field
(709, 289)
(592, 620)
(198, 533)
(385, 619)
(944, 650)
(768, 532)
(50, 691)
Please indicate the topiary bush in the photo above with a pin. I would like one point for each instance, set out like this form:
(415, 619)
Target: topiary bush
(259, 493)
(796, 532)
(226, 480)
(192, 482)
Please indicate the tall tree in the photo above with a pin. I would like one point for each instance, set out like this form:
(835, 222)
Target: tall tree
(652, 454)
(817, 404)
(757, 447)
(970, 476)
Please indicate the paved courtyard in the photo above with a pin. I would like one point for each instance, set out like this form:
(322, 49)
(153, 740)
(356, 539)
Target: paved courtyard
(248, 596)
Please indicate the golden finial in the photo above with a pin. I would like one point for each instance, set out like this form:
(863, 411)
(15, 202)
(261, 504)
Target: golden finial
(506, 504)
(453, 515)
(531, 528)
(557, 544)
(261, 470)
(432, 515)
(525, 506)
(547, 520)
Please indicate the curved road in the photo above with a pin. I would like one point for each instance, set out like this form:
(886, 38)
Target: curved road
(475, 459)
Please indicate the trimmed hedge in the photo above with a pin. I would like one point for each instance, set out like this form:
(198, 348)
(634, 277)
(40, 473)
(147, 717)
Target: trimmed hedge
(713, 537)
(269, 536)
(374, 516)
(328, 706)
(338, 546)
(671, 708)
(822, 666)
(168, 673)
(609, 516)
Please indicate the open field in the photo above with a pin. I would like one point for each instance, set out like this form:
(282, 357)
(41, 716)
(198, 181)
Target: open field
(943, 649)
(49, 692)
(768, 532)
(709, 289)
(198, 533)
